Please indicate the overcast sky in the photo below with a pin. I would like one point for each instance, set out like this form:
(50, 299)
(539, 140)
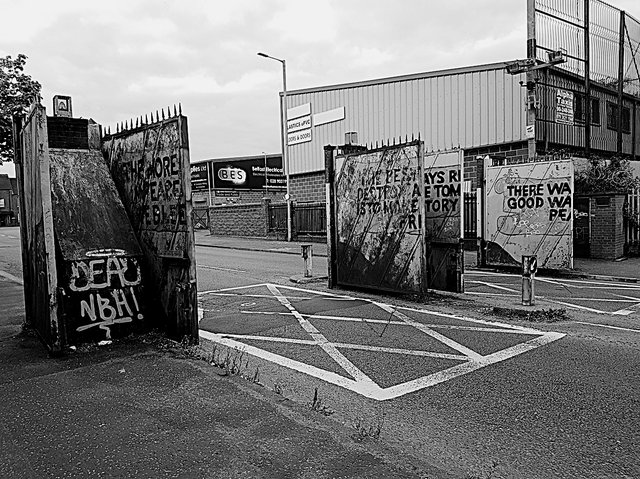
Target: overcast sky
(121, 59)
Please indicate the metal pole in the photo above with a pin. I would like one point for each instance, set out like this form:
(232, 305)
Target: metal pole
(587, 81)
(285, 148)
(530, 77)
(266, 177)
(620, 80)
(209, 181)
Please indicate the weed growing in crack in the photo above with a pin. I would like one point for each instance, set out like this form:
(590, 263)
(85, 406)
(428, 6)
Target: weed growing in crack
(368, 431)
(277, 389)
(317, 405)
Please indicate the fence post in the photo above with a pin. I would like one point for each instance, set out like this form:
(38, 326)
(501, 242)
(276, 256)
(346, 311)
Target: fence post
(266, 202)
(329, 168)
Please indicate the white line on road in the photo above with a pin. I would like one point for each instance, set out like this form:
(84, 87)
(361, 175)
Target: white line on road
(363, 347)
(367, 387)
(11, 277)
(218, 268)
(491, 285)
(434, 334)
(608, 326)
(364, 380)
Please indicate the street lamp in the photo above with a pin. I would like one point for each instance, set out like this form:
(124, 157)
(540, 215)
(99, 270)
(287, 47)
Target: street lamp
(285, 154)
(266, 176)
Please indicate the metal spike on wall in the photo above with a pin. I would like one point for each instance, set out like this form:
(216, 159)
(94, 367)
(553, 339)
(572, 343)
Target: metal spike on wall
(179, 108)
(157, 116)
(162, 110)
(175, 112)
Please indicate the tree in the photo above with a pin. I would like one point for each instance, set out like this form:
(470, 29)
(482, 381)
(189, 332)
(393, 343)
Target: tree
(17, 91)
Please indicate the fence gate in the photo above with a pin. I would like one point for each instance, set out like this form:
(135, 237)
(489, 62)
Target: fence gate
(582, 227)
(379, 211)
(444, 214)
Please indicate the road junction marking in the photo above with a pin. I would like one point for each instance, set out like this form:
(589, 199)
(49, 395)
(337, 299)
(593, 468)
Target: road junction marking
(468, 360)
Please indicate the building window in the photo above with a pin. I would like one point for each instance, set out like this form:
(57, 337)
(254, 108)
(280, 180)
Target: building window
(612, 117)
(1, 202)
(579, 110)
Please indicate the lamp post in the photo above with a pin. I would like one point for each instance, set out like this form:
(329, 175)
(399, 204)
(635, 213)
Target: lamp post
(285, 153)
(266, 176)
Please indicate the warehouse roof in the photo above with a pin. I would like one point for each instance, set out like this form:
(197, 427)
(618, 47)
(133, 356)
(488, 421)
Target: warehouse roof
(412, 76)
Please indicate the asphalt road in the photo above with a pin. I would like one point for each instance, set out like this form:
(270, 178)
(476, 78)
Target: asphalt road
(600, 297)
(442, 381)
(547, 400)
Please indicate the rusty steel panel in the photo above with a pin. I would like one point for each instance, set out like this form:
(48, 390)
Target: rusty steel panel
(87, 212)
(444, 223)
(380, 228)
(99, 272)
(101, 296)
(529, 211)
(151, 170)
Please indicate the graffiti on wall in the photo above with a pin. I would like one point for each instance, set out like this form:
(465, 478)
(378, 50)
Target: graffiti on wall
(104, 291)
(148, 170)
(443, 195)
(530, 212)
(380, 226)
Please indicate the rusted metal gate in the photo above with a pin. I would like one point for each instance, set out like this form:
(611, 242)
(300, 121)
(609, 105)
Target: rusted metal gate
(150, 167)
(444, 219)
(277, 218)
(379, 229)
(529, 211)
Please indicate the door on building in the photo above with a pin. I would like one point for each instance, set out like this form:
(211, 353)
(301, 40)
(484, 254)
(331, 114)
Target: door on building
(582, 228)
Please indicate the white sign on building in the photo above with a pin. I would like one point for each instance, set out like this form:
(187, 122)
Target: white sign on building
(299, 124)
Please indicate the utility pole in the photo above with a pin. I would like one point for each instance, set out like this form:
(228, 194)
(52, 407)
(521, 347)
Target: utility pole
(530, 78)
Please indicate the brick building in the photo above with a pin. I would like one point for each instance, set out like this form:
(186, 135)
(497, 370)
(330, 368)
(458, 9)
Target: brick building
(8, 201)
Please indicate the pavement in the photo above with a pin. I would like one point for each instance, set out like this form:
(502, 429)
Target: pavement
(150, 407)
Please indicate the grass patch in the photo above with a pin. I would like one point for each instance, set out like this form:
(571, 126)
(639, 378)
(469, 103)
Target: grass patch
(551, 315)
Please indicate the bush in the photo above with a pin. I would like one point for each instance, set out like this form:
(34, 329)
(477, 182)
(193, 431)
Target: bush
(603, 176)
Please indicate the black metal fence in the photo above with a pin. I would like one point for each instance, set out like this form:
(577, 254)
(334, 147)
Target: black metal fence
(309, 220)
(470, 216)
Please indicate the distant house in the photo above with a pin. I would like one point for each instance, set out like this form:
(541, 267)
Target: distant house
(8, 201)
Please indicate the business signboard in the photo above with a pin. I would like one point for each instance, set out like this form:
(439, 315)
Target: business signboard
(199, 180)
(249, 174)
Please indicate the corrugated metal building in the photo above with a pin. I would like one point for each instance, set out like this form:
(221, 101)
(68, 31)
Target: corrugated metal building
(481, 109)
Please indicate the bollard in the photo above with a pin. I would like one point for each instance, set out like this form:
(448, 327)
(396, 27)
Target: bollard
(529, 268)
(307, 255)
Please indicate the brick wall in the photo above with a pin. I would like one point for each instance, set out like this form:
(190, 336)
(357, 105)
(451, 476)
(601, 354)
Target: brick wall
(308, 187)
(513, 153)
(249, 219)
(68, 133)
(607, 230)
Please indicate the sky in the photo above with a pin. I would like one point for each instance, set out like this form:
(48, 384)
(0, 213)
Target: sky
(122, 59)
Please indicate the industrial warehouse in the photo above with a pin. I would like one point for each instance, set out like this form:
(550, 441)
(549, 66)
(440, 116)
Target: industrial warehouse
(508, 112)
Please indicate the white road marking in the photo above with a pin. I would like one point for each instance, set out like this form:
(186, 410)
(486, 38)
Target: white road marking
(11, 277)
(608, 326)
(585, 308)
(434, 334)
(336, 355)
(491, 285)
(233, 288)
(218, 268)
(361, 383)
(394, 323)
(364, 347)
